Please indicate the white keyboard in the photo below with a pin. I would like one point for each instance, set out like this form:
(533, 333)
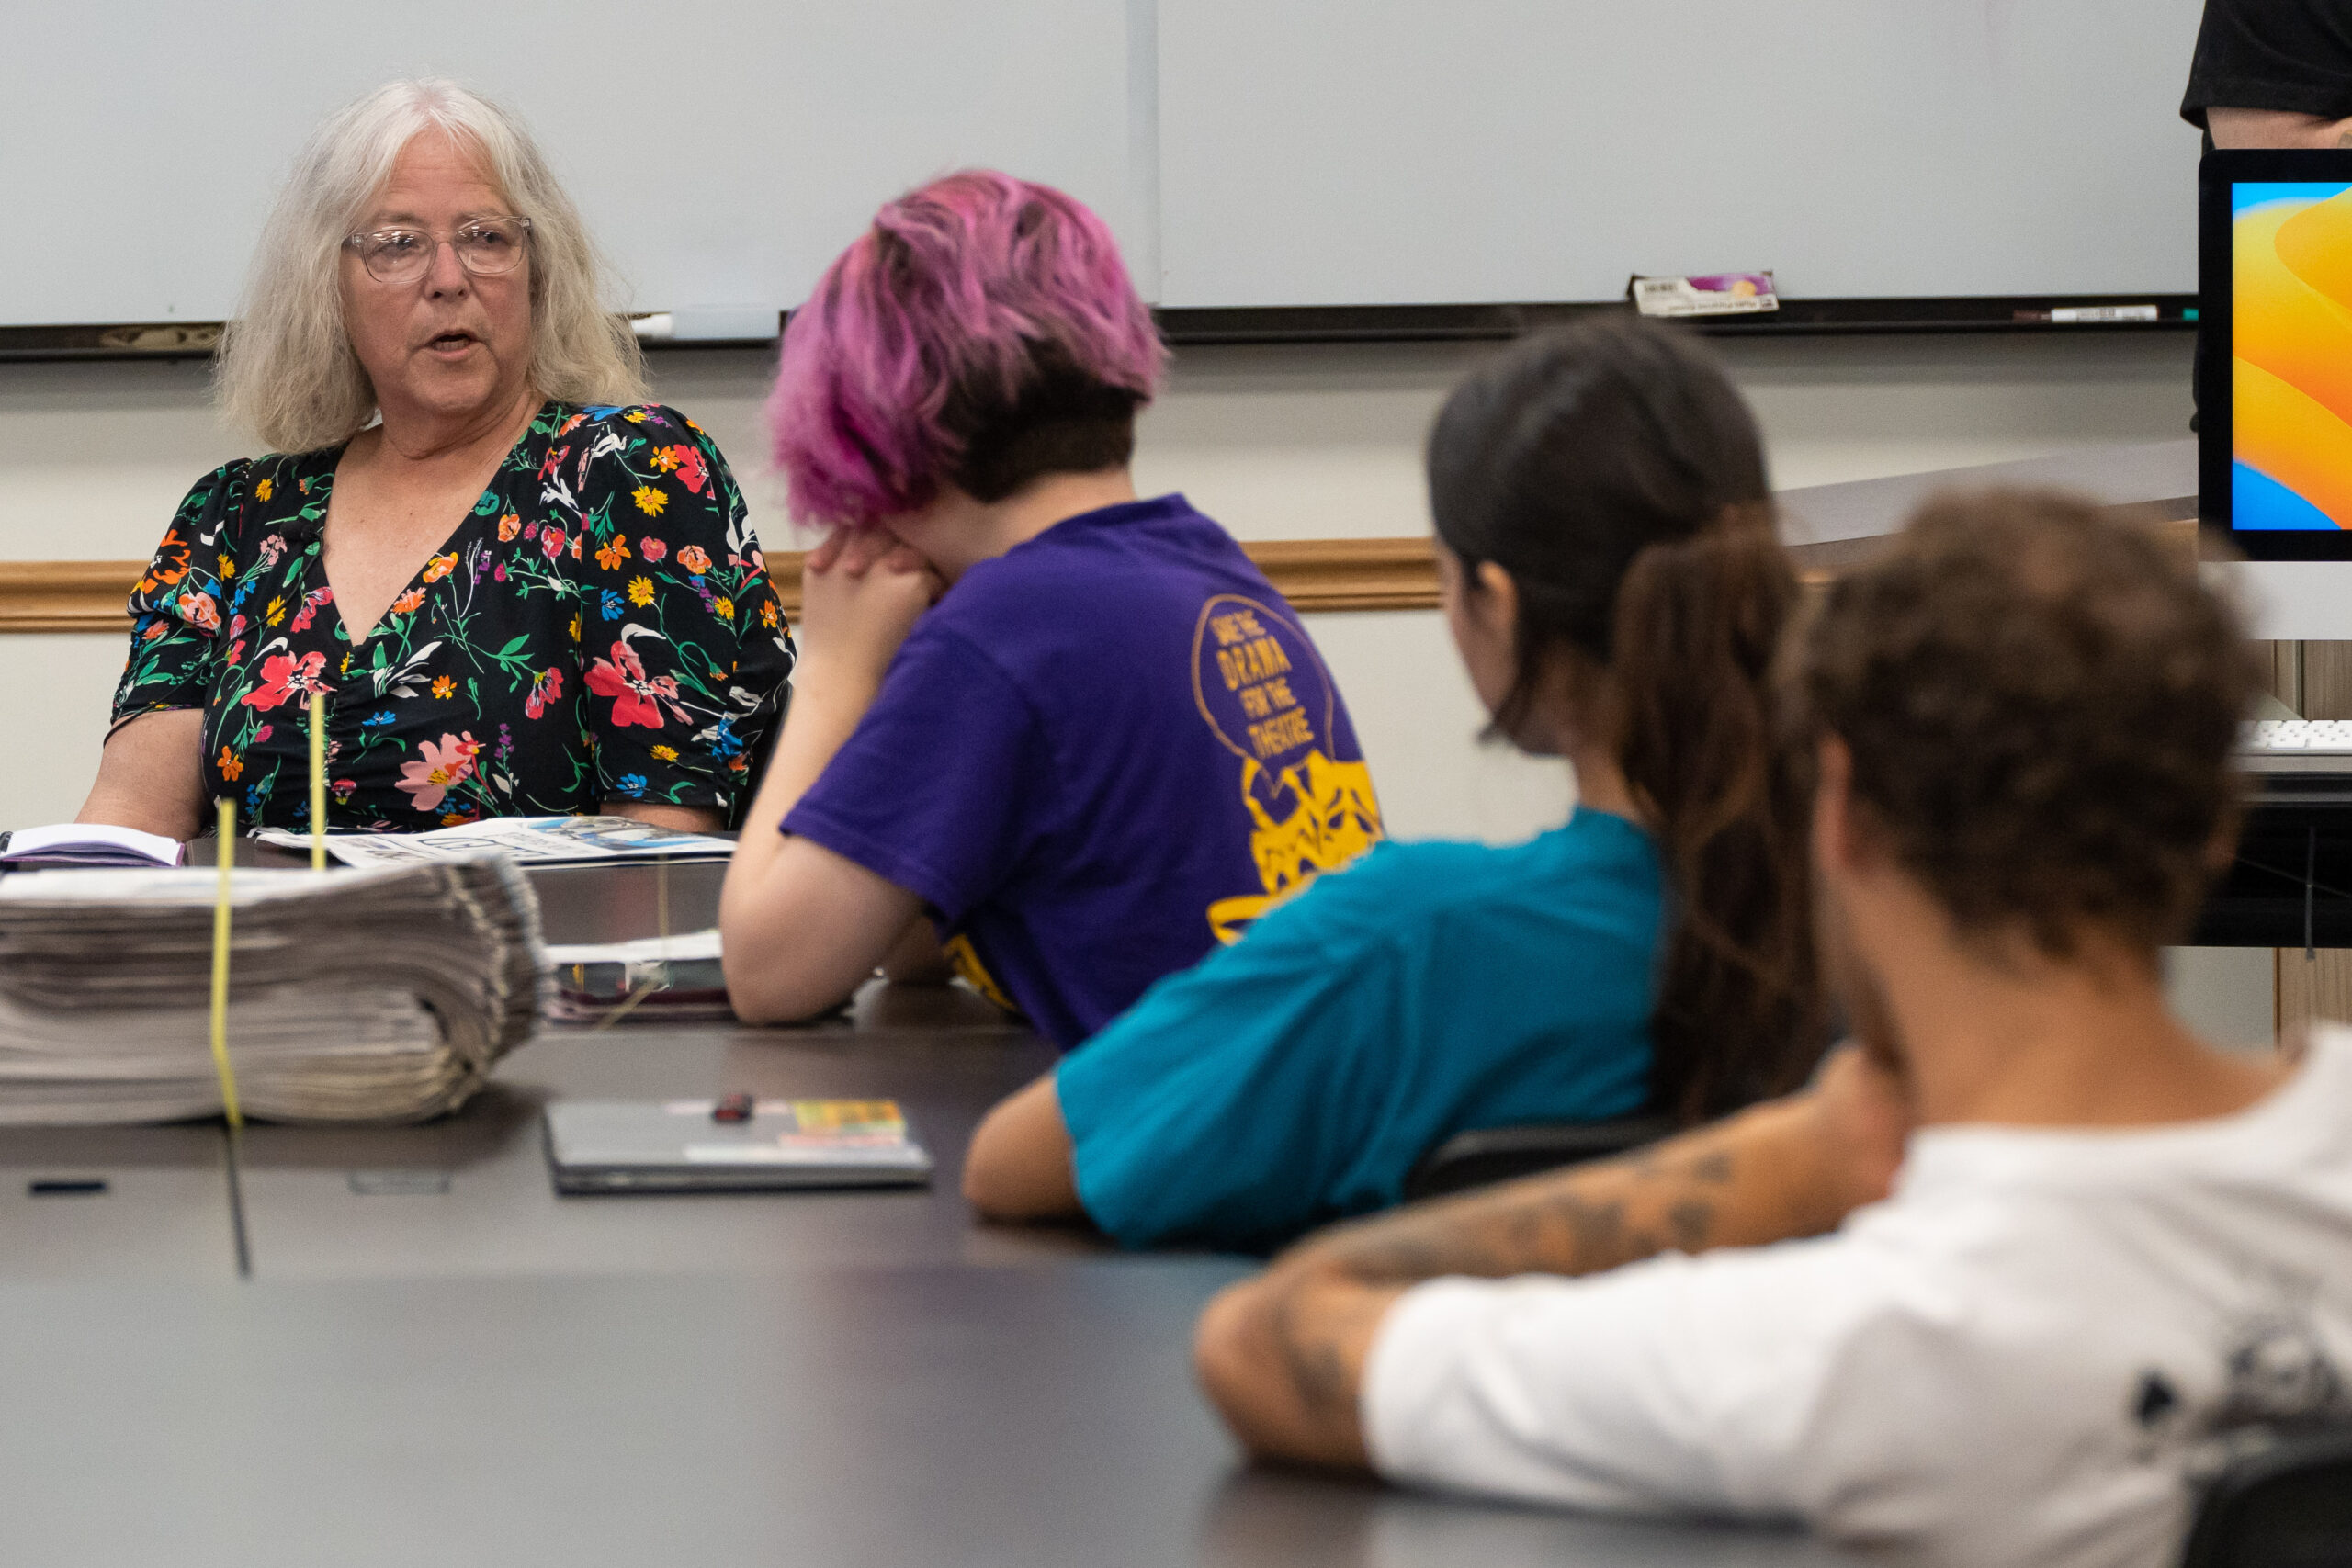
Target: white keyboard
(2304, 735)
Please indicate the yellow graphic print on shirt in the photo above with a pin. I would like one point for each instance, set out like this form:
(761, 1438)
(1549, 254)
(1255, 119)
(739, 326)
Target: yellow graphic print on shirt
(1267, 696)
(966, 958)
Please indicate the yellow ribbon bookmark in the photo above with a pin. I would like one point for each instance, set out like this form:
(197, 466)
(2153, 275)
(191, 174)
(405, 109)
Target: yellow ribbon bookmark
(228, 831)
(318, 781)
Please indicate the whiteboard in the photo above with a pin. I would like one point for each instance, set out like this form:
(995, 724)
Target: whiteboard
(1408, 152)
(1245, 151)
(723, 151)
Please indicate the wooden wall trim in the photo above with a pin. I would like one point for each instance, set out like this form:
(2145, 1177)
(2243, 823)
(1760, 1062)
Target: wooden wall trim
(1313, 574)
(1350, 574)
(66, 595)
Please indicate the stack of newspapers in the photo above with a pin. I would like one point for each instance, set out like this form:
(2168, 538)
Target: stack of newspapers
(354, 996)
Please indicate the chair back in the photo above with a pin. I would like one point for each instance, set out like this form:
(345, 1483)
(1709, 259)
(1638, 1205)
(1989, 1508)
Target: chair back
(1490, 1155)
(2285, 1504)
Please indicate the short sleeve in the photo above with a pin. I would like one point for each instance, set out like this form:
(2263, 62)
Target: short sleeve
(1225, 1106)
(178, 607)
(2288, 55)
(685, 651)
(945, 786)
(1741, 1382)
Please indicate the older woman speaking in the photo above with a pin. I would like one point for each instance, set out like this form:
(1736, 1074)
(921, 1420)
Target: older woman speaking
(522, 588)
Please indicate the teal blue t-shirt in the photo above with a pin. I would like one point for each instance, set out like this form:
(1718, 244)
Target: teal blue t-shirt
(1295, 1077)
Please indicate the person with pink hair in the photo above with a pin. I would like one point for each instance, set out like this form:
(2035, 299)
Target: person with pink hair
(1069, 739)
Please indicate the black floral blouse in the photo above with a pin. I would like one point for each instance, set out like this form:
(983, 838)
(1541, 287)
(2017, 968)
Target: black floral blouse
(600, 627)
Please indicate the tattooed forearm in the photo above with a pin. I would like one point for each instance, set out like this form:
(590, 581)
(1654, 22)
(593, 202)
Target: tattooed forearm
(1283, 1355)
(1720, 1185)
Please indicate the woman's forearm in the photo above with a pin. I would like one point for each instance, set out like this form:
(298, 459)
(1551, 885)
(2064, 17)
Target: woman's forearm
(802, 925)
(824, 713)
(150, 776)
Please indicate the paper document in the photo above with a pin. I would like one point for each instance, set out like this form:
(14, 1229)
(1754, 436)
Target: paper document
(530, 841)
(643, 950)
(85, 843)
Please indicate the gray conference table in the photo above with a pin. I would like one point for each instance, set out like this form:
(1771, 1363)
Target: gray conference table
(436, 1360)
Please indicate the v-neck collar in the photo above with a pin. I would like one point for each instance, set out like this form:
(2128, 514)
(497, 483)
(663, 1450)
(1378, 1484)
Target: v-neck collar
(453, 542)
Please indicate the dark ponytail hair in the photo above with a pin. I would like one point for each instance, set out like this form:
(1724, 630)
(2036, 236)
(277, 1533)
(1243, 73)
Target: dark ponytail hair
(1612, 470)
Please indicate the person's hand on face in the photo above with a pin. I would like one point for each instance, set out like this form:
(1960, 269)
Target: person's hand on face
(1862, 1115)
(861, 592)
(449, 347)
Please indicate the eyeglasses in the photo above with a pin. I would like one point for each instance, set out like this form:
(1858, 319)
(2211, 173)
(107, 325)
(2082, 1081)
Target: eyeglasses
(487, 247)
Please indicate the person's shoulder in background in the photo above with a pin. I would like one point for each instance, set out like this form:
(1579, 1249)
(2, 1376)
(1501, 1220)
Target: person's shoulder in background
(2287, 56)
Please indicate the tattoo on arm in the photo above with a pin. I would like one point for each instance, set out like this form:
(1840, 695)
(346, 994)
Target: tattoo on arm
(1691, 1220)
(1311, 1355)
(1754, 1178)
(1318, 1334)
(1689, 1193)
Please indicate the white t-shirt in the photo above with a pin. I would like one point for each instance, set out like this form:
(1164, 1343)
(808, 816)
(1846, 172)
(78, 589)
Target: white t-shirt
(2020, 1356)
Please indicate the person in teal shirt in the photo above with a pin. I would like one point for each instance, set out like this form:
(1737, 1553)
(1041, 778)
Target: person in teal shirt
(1609, 570)
(1301, 1073)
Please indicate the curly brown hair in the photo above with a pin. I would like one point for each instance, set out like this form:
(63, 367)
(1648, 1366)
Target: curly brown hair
(2041, 702)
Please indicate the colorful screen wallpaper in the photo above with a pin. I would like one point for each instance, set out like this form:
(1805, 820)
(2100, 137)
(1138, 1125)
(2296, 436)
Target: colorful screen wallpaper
(2291, 361)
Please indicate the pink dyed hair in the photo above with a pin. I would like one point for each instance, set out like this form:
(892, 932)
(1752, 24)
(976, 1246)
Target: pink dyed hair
(953, 292)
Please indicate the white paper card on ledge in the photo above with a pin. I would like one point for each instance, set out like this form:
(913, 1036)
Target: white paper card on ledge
(1713, 294)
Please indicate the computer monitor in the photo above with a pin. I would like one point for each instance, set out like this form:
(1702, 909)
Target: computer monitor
(2275, 310)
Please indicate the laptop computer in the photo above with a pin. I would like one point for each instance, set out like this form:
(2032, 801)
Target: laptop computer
(634, 1146)
(2275, 302)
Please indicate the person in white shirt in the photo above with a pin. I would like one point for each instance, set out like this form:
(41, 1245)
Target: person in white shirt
(2024, 1261)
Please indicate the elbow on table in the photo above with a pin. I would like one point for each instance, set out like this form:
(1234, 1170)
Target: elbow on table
(1282, 1357)
(986, 1188)
(1229, 1359)
(1019, 1167)
(996, 1178)
(765, 987)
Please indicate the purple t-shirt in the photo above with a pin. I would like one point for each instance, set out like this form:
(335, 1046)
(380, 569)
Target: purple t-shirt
(1099, 755)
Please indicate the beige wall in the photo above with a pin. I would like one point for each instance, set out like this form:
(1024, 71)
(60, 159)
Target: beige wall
(1277, 442)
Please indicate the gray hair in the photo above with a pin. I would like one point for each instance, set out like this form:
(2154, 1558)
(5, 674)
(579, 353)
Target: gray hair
(286, 369)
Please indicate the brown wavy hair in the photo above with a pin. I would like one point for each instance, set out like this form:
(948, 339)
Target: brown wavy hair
(1612, 470)
(2040, 700)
